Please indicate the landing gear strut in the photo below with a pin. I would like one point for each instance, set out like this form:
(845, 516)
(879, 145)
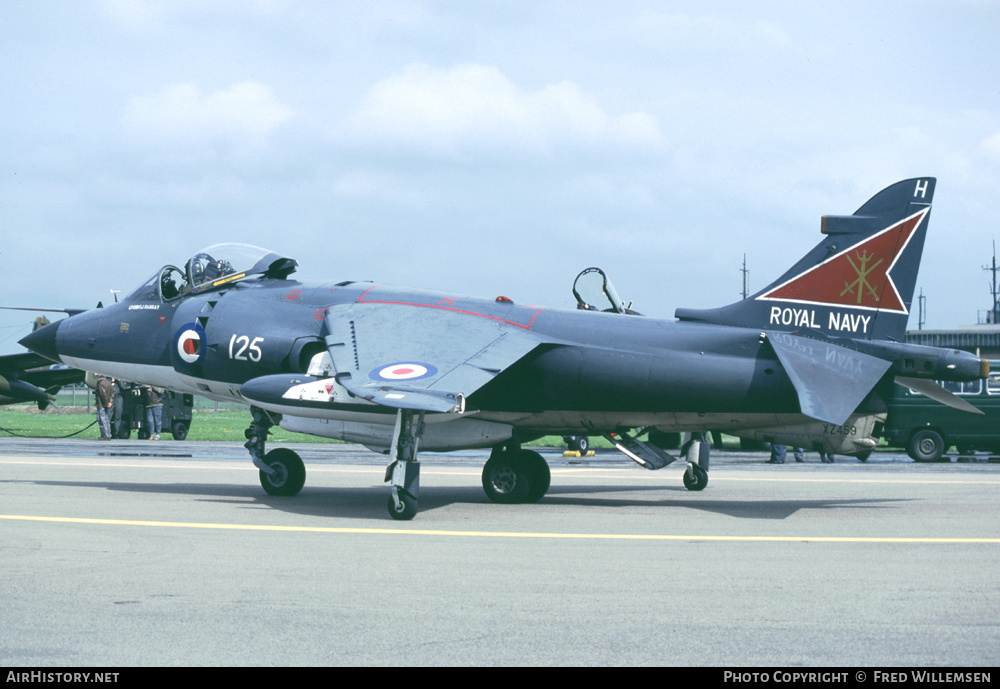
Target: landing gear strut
(696, 452)
(648, 455)
(281, 470)
(403, 471)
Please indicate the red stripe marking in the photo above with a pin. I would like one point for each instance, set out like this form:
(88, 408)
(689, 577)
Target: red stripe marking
(462, 311)
(365, 293)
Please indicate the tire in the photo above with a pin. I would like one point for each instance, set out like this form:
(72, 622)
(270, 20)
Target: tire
(179, 429)
(539, 475)
(406, 511)
(696, 478)
(579, 443)
(291, 473)
(506, 479)
(926, 446)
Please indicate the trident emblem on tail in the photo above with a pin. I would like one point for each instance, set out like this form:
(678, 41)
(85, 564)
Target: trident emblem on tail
(862, 283)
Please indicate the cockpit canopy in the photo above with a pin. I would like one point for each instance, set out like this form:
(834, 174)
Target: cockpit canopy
(217, 265)
(594, 292)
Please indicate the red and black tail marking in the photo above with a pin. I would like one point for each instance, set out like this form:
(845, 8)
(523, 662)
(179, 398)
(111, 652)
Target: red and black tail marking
(858, 282)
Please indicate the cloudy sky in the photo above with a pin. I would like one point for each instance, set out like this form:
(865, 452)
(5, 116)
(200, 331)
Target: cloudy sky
(489, 147)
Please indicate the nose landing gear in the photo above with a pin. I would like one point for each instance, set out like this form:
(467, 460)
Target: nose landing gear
(281, 470)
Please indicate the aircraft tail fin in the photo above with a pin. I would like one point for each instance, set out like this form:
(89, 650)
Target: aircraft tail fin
(858, 282)
(50, 398)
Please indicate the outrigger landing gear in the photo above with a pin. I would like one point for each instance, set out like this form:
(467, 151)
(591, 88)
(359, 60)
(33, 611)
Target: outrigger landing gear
(696, 453)
(649, 456)
(403, 471)
(513, 475)
(281, 470)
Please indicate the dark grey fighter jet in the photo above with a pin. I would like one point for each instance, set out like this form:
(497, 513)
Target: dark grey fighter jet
(28, 378)
(810, 360)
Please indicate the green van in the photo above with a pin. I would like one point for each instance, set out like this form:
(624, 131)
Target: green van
(927, 428)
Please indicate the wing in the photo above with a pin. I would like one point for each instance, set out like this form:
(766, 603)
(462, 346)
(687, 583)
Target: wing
(11, 363)
(34, 369)
(411, 356)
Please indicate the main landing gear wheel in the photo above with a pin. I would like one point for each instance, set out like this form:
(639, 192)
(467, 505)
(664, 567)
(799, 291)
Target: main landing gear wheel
(695, 478)
(505, 479)
(289, 476)
(539, 476)
(516, 477)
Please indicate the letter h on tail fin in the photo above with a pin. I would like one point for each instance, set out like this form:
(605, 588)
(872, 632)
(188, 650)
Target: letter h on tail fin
(858, 282)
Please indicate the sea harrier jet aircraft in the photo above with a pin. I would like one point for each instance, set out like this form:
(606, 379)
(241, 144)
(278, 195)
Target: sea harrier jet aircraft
(810, 360)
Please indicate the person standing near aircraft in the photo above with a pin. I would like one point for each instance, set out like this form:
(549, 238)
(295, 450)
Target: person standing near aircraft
(105, 400)
(117, 407)
(153, 397)
(778, 454)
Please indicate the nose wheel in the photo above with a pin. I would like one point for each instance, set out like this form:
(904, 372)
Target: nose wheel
(289, 473)
(281, 470)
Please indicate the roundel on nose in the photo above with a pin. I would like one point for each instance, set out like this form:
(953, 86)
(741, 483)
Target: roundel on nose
(189, 346)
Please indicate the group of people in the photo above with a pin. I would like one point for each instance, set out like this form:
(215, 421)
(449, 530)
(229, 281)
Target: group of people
(110, 394)
(779, 452)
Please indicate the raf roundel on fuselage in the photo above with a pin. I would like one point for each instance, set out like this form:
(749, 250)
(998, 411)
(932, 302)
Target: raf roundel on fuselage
(212, 267)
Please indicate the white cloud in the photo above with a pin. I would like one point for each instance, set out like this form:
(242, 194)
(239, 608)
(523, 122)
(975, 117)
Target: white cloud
(244, 114)
(475, 108)
(151, 16)
(135, 14)
(991, 147)
(703, 35)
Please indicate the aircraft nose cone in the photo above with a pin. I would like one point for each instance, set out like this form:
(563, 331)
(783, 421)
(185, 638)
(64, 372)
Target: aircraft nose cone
(43, 341)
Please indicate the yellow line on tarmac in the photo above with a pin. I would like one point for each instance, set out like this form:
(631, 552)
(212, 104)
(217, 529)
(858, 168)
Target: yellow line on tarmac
(494, 534)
